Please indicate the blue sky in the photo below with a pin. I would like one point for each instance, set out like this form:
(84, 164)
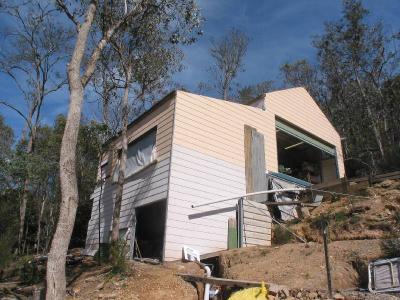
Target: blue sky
(279, 31)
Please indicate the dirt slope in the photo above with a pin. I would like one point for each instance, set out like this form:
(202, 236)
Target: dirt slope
(357, 218)
(145, 282)
(300, 265)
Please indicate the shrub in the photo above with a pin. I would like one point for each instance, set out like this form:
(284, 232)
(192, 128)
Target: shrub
(319, 221)
(340, 216)
(281, 235)
(390, 248)
(118, 253)
(7, 241)
(28, 270)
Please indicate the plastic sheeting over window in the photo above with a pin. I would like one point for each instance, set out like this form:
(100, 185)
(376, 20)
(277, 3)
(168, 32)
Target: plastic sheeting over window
(141, 153)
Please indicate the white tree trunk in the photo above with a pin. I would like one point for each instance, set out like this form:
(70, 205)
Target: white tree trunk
(24, 200)
(39, 225)
(55, 275)
(122, 164)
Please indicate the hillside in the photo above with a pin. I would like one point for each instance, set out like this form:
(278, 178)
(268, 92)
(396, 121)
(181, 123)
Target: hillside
(350, 218)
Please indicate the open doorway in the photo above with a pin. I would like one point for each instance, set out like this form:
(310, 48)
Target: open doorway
(150, 228)
(300, 159)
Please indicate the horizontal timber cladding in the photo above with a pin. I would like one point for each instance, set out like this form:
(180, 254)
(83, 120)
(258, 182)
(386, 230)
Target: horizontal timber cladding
(199, 178)
(146, 186)
(297, 107)
(207, 164)
(216, 128)
(256, 224)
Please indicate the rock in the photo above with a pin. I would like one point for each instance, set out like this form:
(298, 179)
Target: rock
(270, 297)
(107, 296)
(100, 286)
(285, 292)
(75, 291)
(387, 183)
(299, 295)
(313, 295)
(338, 296)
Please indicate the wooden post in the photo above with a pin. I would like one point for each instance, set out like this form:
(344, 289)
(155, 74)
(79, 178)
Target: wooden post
(325, 229)
(254, 163)
(232, 234)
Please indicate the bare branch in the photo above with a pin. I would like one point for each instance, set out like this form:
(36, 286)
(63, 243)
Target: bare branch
(18, 112)
(70, 15)
(103, 42)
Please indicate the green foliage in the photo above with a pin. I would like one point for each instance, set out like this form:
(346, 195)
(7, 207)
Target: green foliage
(8, 226)
(41, 167)
(390, 248)
(319, 221)
(356, 82)
(340, 216)
(251, 92)
(29, 272)
(281, 235)
(6, 141)
(118, 253)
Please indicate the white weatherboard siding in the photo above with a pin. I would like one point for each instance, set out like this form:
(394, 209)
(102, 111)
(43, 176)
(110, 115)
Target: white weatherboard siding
(256, 224)
(144, 187)
(198, 178)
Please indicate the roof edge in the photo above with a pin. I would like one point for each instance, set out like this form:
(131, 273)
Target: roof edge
(167, 97)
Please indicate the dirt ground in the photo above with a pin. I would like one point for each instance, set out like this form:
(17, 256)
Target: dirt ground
(300, 265)
(356, 227)
(144, 282)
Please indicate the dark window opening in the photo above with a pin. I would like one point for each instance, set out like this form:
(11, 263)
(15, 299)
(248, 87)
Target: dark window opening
(150, 228)
(299, 159)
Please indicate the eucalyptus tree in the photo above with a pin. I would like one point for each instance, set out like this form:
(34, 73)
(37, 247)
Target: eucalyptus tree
(227, 54)
(356, 59)
(252, 91)
(179, 20)
(33, 57)
(147, 58)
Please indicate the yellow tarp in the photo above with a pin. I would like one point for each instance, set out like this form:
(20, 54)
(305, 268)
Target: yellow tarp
(257, 293)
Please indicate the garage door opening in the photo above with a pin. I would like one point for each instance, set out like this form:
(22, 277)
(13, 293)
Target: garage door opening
(150, 228)
(303, 157)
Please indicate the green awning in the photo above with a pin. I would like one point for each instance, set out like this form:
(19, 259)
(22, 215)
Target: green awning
(305, 137)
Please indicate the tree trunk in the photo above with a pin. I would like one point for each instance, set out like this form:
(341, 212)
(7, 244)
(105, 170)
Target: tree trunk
(106, 102)
(25, 196)
(122, 163)
(373, 120)
(55, 275)
(39, 225)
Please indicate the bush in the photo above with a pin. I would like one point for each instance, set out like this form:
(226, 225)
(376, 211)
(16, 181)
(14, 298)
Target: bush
(281, 235)
(319, 221)
(7, 241)
(28, 270)
(390, 248)
(118, 253)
